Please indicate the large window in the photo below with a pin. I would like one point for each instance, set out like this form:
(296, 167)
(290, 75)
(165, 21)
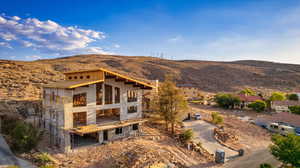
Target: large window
(108, 94)
(79, 119)
(79, 100)
(117, 95)
(132, 109)
(131, 96)
(119, 131)
(99, 94)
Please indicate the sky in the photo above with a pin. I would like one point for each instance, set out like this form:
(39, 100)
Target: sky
(217, 30)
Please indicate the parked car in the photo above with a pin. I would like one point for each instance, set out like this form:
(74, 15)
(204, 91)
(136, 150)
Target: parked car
(281, 128)
(297, 131)
(197, 116)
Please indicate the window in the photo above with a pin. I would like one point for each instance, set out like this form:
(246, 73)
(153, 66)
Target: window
(75, 77)
(79, 119)
(135, 126)
(119, 131)
(99, 94)
(132, 109)
(117, 95)
(131, 96)
(81, 77)
(88, 77)
(108, 94)
(79, 100)
(70, 77)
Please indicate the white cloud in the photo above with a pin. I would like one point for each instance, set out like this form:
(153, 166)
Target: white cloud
(5, 44)
(48, 36)
(33, 57)
(175, 39)
(117, 46)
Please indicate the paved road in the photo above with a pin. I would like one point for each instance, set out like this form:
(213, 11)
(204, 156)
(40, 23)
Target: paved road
(8, 158)
(203, 133)
(253, 160)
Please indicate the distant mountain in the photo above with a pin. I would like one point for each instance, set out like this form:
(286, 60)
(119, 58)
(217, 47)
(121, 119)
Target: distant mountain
(22, 80)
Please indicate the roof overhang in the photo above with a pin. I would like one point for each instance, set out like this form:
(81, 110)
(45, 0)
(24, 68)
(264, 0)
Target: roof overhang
(71, 84)
(118, 77)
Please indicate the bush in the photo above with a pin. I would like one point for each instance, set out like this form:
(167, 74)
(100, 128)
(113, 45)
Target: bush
(295, 109)
(293, 97)
(227, 100)
(216, 118)
(24, 137)
(258, 106)
(43, 159)
(277, 96)
(265, 165)
(187, 135)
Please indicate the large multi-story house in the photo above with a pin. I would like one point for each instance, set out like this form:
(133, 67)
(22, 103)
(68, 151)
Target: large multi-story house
(92, 107)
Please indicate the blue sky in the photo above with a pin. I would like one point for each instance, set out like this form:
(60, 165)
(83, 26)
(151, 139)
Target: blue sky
(222, 30)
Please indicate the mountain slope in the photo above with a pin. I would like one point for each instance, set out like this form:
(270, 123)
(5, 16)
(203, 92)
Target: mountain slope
(22, 80)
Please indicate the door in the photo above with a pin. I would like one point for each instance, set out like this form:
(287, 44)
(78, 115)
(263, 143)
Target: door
(105, 135)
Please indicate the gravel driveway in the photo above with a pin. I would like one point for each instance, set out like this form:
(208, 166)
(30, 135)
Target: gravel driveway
(203, 132)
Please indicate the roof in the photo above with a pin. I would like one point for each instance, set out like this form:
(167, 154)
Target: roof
(95, 128)
(115, 74)
(286, 103)
(65, 84)
(246, 98)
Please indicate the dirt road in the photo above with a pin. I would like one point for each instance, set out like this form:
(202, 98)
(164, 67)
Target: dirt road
(203, 133)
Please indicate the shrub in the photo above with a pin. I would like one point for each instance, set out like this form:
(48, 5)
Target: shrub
(216, 118)
(24, 137)
(187, 135)
(277, 96)
(295, 109)
(293, 97)
(258, 106)
(43, 159)
(227, 100)
(265, 165)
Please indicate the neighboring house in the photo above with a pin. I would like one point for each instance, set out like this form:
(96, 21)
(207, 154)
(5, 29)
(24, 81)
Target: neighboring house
(285, 117)
(245, 99)
(283, 106)
(92, 107)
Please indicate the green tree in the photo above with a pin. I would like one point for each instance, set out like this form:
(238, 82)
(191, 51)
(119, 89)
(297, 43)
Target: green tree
(24, 137)
(258, 105)
(248, 92)
(170, 103)
(292, 96)
(286, 149)
(187, 135)
(277, 96)
(216, 118)
(227, 100)
(295, 109)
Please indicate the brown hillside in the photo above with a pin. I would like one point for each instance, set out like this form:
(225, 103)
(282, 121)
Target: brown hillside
(22, 80)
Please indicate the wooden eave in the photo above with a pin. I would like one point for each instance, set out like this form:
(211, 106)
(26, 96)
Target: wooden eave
(71, 84)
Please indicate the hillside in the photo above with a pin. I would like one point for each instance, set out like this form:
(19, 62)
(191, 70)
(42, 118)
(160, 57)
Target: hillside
(22, 80)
